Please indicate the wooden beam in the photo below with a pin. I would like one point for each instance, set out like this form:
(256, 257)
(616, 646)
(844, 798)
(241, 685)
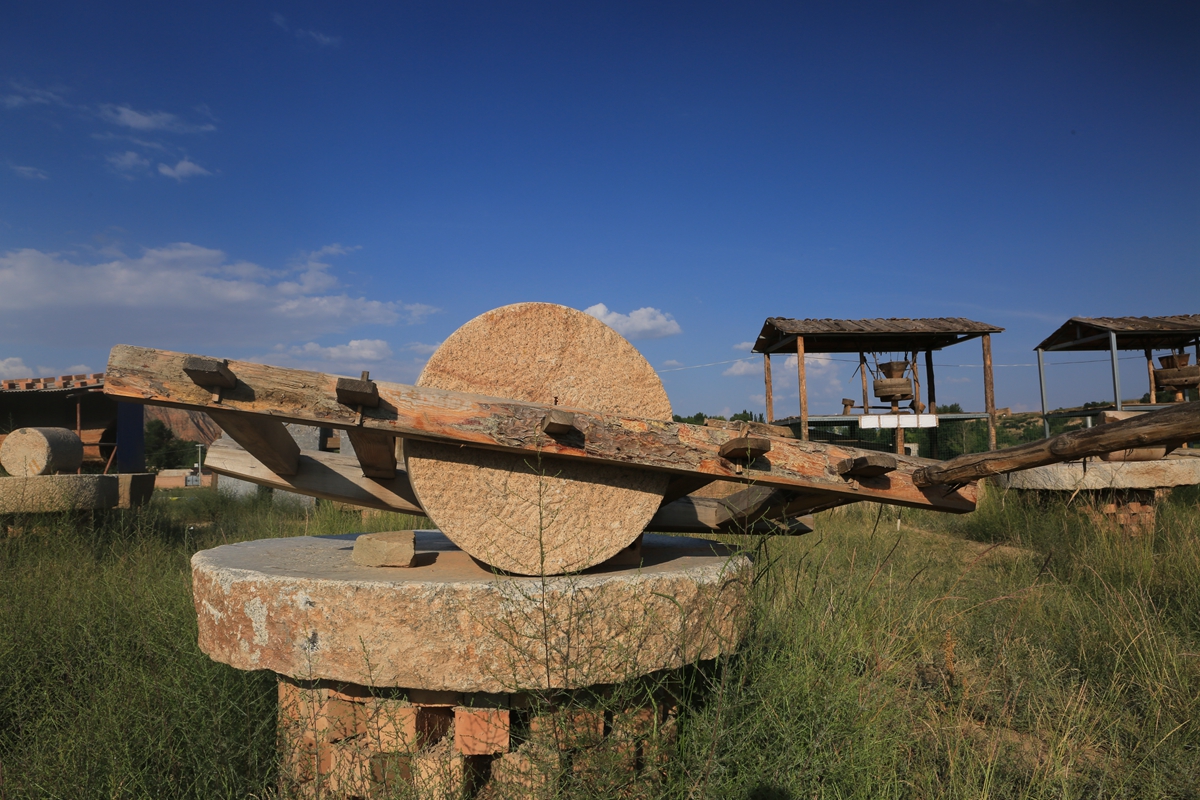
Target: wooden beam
(263, 437)
(155, 376)
(1178, 423)
(862, 368)
(929, 380)
(375, 450)
(755, 428)
(209, 372)
(989, 390)
(803, 388)
(767, 380)
(330, 476)
(868, 466)
(355, 392)
(1150, 369)
(745, 448)
(683, 485)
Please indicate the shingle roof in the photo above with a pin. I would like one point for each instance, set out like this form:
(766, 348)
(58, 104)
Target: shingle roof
(1133, 333)
(867, 335)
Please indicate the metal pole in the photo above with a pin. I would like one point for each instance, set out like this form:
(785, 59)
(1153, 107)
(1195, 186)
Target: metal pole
(1112, 347)
(1042, 386)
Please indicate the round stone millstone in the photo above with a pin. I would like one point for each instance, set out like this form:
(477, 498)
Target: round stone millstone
(301, 607)
(514, 511)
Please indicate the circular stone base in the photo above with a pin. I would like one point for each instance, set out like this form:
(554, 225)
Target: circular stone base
(301, 607)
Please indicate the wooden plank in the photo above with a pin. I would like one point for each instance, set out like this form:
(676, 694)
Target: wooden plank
(330, 476)
(144, 375)
(1179, 423)
(756, 428)
(375, 450)
(263, 437)
(868, 466)
(745, 448)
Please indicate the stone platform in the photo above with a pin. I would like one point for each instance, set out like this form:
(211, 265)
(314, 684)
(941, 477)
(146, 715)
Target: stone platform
(448, 675)
(301, 607)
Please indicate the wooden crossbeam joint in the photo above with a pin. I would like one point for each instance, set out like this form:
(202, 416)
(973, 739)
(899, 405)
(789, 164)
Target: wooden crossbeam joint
(868, 466)
(209, 372)
(357, 392)
(557, 422)
(745, 448)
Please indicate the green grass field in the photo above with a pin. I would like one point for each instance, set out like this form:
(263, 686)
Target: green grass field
(1021, 651)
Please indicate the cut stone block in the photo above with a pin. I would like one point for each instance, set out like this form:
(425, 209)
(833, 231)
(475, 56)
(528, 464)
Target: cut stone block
(386, 549)
(27, 452)
(481, 731)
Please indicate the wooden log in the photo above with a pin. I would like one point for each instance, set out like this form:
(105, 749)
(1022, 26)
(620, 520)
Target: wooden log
(27, 452)
(330, 476)
(144, 375)
(375, 450)
(1174, 424)
(264, 437)
(770, 394)
(800, 373)
(756, 428)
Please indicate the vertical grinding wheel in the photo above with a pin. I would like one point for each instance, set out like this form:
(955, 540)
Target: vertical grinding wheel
(512, 511)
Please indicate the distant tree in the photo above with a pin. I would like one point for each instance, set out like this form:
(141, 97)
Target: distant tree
(695, 419)
(164, 450)
(747, 416)
(949, 408)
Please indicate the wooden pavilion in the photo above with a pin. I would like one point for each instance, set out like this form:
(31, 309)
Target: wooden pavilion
(1147, 334)
(872, 336)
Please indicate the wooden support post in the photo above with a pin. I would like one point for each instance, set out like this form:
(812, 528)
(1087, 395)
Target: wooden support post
(1150, 370)
(376, 452)
(79, 428)
(933, 432)
(767, 380)
(264, 438)
(803, 388)
(1112, 348)
(916, 383)
(989, 390)
(862, 368)
(1042, 388)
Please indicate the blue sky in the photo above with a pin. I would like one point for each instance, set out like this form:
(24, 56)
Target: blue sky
(340, 186)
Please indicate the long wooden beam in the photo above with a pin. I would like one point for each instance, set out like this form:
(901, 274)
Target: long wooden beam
(145, 375)
(1177, 424)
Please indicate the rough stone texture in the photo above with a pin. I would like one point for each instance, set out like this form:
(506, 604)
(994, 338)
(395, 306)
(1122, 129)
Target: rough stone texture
(1167, 472)
(386, 549)
(301, 607)
(48, 493)
(27, 452)
(506, 509)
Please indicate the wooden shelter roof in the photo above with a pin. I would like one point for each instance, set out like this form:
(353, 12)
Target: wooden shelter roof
(867, 335)
(1133, 333)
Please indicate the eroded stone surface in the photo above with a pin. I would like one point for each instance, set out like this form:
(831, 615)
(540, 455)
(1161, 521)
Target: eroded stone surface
(302, 607)
(385, 549)
(49, 493)
(509, 510)
(1074, 476)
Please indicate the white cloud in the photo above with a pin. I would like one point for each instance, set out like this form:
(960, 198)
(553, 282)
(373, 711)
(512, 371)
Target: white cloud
(184, 169)
(821, 374)
(643, 323)
(422, 349)
(321, 39)
(126, 117)
(746, 346)
(173, 296)
(127, 163)
(671, 363)
(14, 368)
(29, 96)
(355, 350)
(31, 173)
(743, 368)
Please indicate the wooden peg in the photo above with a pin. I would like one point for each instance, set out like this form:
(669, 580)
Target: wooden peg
(745, 448)
(558, 422)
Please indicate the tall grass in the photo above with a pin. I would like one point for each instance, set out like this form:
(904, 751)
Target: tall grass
(1027, 650)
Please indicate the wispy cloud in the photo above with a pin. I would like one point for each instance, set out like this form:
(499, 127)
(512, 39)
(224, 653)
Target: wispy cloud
(422, 349)
(22, 96)
(354, 350)
(186, 168)
(745, 346)
(181, 294)
(320, 39)
(30, 173)
(670, 362)
(642, 323)
(126, 117)
(128, 163)
(743, 368)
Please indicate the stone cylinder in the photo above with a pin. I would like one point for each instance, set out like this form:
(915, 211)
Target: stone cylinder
(27, 452)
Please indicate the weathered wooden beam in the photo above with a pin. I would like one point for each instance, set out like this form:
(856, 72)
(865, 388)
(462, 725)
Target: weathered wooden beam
(867, 466)
(683, 485)
(265, 438)
(756, 428)
(1179, 423)
(330, 476)
(145, 375)
(375, 450)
